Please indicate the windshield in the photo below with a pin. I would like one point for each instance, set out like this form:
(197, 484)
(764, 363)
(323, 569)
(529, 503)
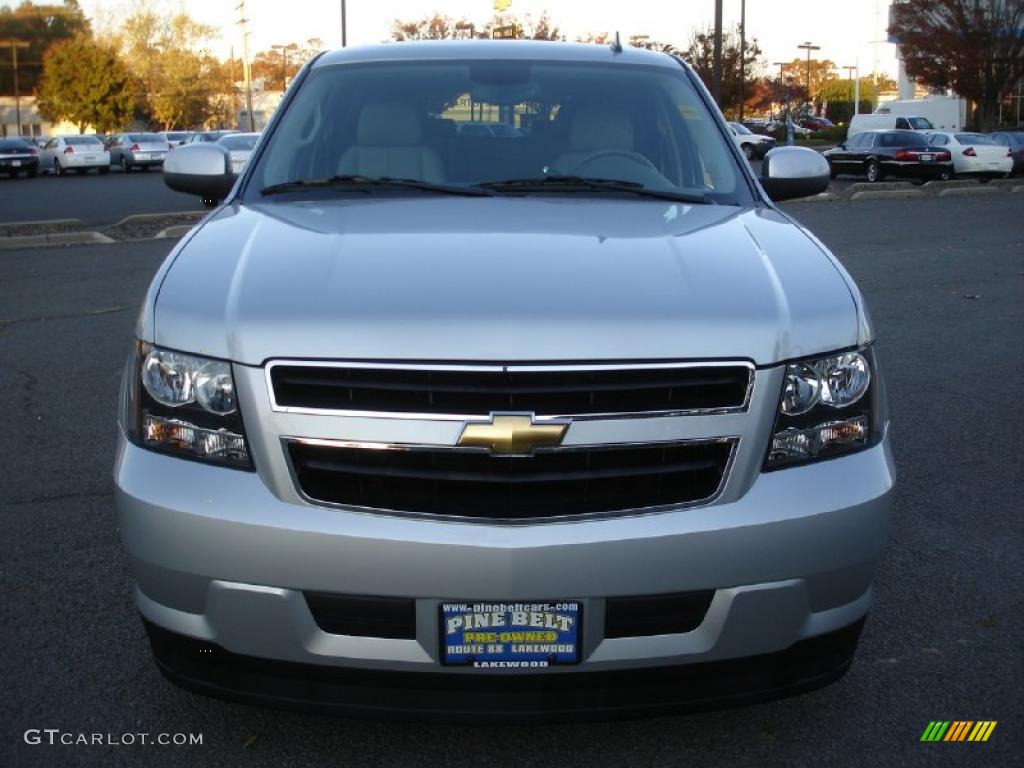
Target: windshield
(81, 141)
(974, 138)
(739, 128)
(422, 121)
(920, 124)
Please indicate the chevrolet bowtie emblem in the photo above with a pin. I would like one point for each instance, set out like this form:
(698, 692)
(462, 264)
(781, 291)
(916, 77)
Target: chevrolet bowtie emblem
(512, 434)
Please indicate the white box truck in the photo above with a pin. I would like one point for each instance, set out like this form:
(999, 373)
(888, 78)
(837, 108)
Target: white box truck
(945, 113)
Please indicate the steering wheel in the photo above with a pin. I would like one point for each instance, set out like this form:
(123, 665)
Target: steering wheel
(636, 157)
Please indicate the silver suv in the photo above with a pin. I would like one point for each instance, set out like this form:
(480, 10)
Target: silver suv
(565, 419)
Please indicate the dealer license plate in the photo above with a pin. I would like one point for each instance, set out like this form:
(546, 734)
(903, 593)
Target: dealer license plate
(510, 635)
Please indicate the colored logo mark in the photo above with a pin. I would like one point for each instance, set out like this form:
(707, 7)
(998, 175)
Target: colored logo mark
(958, 730)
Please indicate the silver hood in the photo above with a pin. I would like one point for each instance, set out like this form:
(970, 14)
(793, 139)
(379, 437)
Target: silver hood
(501, 279)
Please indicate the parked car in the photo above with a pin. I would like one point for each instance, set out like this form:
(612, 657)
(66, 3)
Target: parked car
(207, 137)
(880, 153)
(176, 138)
(777, 130)
(19, 156)
(814, 123)
(751, 144)
(388, 423)
(40, 141)
(80, 154)
(1014, 141)
(240, 146)
(974, 153)
(138, 150)
(876, 122)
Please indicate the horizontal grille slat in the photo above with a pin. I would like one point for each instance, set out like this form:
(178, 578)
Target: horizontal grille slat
(544, 392)
(551, 483)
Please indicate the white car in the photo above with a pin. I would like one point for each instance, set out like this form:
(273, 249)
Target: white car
(239, 146)
(74, 153)
(974, 153)
(753, 145)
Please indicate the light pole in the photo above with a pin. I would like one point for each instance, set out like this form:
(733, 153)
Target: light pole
(246, 72)
(344, 30)
(716, 66)
(856, 87)
(284, 61)
(789, 117)
(15, 45)
(743, 54)
(809, 46)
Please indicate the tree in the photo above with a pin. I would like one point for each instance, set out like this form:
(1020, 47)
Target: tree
(438, 27)
(840, 94)
(644, 41)
(281, 64)
(41, 26)
(822, 71)
(87, 83)
(700, 53)
(975, 47)
(180, 83)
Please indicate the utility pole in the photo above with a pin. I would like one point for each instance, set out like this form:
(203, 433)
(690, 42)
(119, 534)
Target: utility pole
(809, 46)
(344, 31)
(284, 61)
(743, 54)
(15, 45)
(717, 63)
(246, 72)
(856, 86)
(789, 116)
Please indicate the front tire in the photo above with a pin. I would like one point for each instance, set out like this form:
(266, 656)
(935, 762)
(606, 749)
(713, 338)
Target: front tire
(873, 171)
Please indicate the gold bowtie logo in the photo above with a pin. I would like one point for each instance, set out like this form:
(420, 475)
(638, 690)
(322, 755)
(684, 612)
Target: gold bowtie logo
(512, 435)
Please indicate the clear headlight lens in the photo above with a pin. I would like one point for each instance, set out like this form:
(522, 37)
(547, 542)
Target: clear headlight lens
(184, 404)
(824, 410)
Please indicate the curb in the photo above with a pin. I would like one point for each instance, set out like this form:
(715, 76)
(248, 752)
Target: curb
(930, 186)
(821, 197)
(886, 194)
(178, 230)
(1000, 183)
(42, 223)
(137, 218)
(878, 186)
(970, 191)
(58, 238)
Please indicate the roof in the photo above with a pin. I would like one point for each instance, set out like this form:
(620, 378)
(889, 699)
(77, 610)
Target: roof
(489, 50)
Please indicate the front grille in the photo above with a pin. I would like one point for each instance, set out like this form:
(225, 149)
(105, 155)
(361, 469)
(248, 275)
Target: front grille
(482, 390)
(476, 484)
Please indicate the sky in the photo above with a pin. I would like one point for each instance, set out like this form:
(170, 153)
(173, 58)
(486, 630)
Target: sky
(845, 29)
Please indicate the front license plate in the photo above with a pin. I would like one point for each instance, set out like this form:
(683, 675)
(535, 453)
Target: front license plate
(510, 635)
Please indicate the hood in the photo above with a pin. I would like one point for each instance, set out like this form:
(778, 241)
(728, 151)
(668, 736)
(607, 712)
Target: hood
(502, 279)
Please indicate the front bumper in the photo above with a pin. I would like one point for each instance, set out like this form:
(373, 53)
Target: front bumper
(220, 559)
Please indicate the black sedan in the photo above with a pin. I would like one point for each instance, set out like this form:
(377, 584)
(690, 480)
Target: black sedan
(880, 153)
(1015, 141)
(18, 156)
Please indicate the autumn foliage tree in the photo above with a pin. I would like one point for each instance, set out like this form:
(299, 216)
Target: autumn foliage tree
(700, 53)
(41, 26)
(86, 83)
(975, 47)
(440, 27)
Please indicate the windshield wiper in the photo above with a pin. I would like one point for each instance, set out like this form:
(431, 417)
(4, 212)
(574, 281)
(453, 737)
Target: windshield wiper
(581, 183)
(368, 182)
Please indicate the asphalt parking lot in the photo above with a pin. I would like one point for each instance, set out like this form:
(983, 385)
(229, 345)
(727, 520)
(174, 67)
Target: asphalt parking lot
(945, 280)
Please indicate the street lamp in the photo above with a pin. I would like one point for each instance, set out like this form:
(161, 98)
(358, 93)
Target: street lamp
(284, 61)
(809, 46)
(743, 54)
(856, 87)
(344, 30)
(789, 116)
(246, 72)
(15, 45)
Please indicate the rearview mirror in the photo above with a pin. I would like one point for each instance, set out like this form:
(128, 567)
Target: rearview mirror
(200, 169)
(788, 172)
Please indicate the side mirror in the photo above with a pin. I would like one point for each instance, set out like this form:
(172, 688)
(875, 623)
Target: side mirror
(200, 169)
(789, 172)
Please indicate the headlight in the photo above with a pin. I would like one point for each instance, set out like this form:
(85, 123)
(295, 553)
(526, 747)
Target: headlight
(829, 407)
(183, 404)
